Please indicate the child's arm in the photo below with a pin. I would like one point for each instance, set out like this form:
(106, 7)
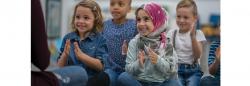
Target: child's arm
(133, 65)
(215, 65)
(196, 46)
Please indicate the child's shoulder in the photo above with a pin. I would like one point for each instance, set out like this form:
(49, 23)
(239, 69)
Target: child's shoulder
(131, 21)
(108, 21)
(171, 32)
(135, 39)
(100, 38)
(98, 35)
(70, 35)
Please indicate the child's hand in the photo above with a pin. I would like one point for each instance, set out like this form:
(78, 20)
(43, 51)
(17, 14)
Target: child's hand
(152, 55)
(78, 51)
(141, 57)
(66, 48)
(124, 47)
(193, 31)
(217, 54)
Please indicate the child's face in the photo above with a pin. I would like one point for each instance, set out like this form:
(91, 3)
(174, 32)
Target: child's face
(185, 18)
(83, 19)
(119, 8)
(144, 23)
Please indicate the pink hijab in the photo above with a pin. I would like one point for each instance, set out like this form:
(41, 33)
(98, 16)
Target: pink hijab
(158, 16)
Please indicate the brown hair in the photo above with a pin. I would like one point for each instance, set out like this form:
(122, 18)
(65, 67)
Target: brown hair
(130, 1)
(188, 3)
(95, 8)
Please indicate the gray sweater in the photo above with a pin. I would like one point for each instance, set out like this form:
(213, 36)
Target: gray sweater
(165, 68)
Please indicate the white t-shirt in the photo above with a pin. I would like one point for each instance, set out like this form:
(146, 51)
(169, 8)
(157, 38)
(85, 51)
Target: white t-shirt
(183, 46)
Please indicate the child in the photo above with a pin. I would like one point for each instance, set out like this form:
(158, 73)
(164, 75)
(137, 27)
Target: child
(85, 46)
(188, 43)
(118, 32)
(150, 59)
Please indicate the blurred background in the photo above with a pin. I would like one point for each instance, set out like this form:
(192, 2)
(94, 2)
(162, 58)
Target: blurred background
(58, 15)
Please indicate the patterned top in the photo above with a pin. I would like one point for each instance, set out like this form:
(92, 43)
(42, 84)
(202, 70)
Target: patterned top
(115, 35)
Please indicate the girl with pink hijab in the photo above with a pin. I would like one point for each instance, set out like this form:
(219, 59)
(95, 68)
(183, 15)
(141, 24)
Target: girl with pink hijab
(151, 59)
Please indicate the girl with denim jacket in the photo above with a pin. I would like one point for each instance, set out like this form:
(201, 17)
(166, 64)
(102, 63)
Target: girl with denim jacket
(85, 46)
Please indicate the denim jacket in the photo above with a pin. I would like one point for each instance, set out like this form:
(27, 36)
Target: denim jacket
(94, 45)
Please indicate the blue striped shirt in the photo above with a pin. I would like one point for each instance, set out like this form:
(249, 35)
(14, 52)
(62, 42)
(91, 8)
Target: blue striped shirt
(211, 58)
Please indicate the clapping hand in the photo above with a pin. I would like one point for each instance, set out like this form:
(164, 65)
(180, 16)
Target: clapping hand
(78, 51)
(124, 47)
(193, 31)
(66, 48)
(141, 57)
(152, 55)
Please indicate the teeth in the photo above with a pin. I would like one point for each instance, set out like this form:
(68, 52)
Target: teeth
(144, 30)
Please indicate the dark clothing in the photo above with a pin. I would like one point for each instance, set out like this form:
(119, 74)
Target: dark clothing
(40, 55)
(43, 78)
(39, 49)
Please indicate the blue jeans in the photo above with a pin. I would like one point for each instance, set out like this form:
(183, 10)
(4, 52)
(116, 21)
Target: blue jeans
(189, 75)
(71, 76)
(126, 79)
(210, 81)
(112, 76)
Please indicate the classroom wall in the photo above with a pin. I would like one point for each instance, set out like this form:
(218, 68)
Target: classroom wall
(205, 9)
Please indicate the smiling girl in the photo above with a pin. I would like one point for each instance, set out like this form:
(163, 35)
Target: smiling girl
(150, 59)
(85, 46)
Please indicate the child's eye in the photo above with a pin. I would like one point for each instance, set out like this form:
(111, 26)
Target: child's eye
(77, 17)
(112, 4)
(86, 18)
(121, 4)
(146, 18)
(185, 17)
(138, 19)
(178, 16)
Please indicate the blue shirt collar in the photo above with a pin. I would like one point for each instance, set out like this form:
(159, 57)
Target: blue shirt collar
(127, 22)
(91, 36)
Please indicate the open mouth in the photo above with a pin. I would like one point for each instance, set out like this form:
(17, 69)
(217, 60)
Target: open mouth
(143, 30)
(182, 25)
(80, 27)
(115, 13)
